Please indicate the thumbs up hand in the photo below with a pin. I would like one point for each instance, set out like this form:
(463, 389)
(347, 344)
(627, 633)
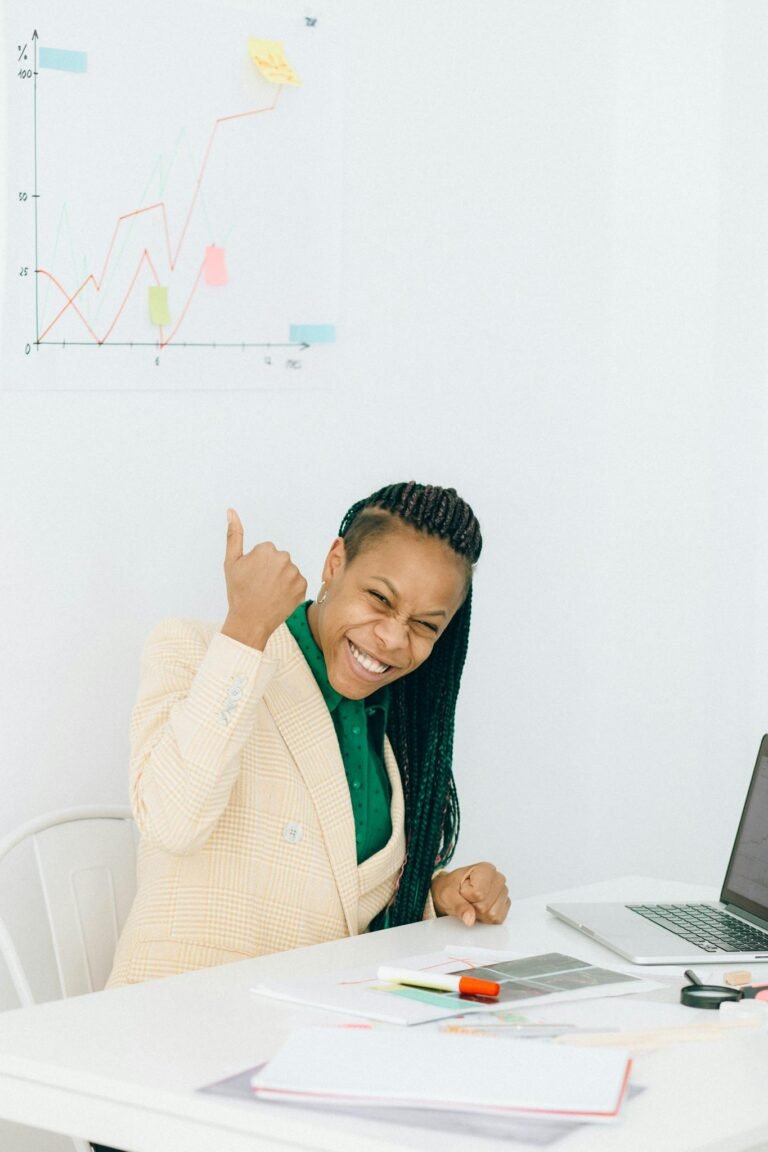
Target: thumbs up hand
(263, 587)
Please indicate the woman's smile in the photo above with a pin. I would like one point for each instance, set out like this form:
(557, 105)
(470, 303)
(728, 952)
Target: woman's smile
(367, 663)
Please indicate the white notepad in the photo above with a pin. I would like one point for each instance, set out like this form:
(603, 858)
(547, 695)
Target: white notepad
(456, 1073)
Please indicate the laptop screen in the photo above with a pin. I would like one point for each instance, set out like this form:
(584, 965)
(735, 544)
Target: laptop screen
(746, 880)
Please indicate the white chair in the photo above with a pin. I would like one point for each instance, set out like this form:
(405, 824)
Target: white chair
(85, 862)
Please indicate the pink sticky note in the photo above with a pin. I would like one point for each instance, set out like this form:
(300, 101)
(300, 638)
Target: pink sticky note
(215, 266)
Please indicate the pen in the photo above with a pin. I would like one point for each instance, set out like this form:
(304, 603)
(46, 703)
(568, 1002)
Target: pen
(441, 982)
(692, 976)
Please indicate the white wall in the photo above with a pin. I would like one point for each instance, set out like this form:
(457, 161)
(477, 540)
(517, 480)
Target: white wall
(554, 299)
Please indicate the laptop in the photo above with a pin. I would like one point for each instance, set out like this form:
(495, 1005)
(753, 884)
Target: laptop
(733, 929)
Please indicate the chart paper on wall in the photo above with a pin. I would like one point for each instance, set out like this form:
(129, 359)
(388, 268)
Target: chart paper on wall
(174, 197)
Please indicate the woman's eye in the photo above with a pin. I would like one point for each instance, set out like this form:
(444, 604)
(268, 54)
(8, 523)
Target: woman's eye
(425, 626)
(377, 596)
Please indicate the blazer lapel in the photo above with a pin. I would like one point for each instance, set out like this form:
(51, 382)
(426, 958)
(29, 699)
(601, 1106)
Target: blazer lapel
(390, 858)
(300, 712)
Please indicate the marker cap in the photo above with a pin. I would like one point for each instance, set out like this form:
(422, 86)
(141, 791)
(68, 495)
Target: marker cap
(471, 986)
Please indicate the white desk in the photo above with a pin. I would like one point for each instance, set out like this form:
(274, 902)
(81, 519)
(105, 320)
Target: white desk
(121, 1067)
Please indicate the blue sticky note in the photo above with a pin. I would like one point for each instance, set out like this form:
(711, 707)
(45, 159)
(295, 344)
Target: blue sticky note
(312, 333)
(63, 59)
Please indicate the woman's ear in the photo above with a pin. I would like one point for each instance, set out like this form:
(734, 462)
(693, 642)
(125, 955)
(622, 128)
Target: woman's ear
(334, 561)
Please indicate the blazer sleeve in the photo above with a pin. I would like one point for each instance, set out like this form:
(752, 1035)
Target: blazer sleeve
(196, 706)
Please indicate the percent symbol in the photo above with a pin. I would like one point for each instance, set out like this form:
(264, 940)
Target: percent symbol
(22, 51)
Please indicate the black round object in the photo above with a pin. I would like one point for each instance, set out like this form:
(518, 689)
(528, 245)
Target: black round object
(708, 995)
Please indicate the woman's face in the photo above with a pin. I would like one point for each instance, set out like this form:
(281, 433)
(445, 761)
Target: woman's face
(385, 609)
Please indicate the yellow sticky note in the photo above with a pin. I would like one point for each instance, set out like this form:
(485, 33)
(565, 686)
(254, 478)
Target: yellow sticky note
(269, 58)
(158, 305)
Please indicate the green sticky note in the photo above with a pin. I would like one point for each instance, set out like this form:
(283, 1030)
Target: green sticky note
(158, 305)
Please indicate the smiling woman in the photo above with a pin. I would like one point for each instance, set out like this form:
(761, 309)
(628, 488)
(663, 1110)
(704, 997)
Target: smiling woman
(291, 773)
(379, 615)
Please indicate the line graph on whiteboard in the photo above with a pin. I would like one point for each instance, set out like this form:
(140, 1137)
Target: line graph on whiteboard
(175, 201)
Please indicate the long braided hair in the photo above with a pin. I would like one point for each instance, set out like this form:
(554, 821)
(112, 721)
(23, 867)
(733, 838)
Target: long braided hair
(423, 704)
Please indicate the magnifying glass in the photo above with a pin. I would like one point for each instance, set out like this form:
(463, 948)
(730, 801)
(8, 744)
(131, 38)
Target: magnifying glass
(708, 995)
(699, 995)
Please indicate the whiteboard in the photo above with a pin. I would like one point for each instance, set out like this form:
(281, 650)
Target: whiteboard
(177, 217)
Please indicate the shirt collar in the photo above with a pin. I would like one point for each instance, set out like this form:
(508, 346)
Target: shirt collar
(298, 626)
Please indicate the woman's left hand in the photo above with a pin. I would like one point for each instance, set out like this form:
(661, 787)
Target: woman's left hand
(474, 894)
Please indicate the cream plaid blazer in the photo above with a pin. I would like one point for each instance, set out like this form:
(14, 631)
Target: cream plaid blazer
(238, 788)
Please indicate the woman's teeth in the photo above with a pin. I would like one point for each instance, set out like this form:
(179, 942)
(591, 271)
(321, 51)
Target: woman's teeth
(367, 661)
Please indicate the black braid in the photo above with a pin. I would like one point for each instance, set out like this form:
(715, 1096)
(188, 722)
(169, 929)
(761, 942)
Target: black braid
(423, 704)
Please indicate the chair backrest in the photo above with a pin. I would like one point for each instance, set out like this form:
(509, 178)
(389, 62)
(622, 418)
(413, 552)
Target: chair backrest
(86, 862)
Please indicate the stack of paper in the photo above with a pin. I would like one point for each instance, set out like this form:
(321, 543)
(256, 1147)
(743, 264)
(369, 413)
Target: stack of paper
(455, 1073)
(548, 978)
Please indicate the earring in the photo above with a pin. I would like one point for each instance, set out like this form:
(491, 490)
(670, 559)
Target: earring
(323, 595)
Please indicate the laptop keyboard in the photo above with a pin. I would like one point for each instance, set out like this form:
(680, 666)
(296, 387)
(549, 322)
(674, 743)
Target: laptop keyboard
(707, 927)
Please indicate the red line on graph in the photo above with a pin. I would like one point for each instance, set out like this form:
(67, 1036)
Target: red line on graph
(184, 309)
(145, 256)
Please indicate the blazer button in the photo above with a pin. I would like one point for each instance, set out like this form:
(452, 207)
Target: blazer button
(293, 832)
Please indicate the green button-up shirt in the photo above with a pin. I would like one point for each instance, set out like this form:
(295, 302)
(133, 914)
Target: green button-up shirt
(360, 727)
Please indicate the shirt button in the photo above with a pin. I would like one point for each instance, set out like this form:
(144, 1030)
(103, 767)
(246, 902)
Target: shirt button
(370, 711)
(355, 784)
(356, 730)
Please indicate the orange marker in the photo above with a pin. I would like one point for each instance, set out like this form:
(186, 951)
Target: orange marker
(441, 982)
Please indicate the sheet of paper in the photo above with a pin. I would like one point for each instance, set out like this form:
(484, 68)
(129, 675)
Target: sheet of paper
(430, 1070)
(549, 978)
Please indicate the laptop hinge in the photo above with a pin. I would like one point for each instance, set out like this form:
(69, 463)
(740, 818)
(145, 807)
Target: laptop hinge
(743, 915)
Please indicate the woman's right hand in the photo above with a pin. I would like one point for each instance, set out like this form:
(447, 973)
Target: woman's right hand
(263, 587)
